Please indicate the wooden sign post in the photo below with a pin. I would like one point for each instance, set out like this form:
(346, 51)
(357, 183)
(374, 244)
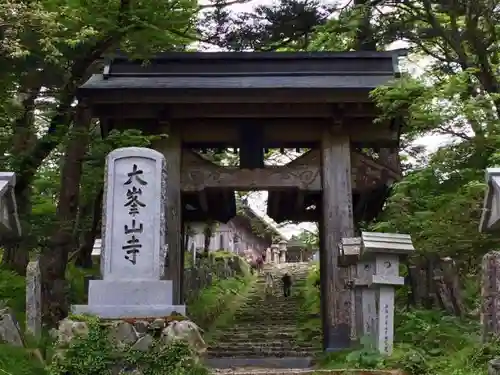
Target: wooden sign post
(384, 250)
(349, 253)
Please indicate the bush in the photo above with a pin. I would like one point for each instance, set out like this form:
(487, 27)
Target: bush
(97, 354)
(13, 292)
(309, 318)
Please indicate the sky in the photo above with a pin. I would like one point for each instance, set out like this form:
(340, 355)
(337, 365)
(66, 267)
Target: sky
(257, 200)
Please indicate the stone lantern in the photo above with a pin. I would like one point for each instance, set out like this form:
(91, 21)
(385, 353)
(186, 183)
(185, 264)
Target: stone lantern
(269, 255)
(282, 250)
(275, 251)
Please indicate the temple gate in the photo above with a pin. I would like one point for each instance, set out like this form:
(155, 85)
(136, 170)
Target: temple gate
(253, 102)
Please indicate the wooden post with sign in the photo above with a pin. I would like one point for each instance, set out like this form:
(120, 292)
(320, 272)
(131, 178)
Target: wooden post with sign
(385, 249)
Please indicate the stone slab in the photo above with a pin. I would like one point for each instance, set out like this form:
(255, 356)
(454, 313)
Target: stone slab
(387, 280)
(134, 215)
(392, 243)
(133, 292)
(127, 311)
(264, 362)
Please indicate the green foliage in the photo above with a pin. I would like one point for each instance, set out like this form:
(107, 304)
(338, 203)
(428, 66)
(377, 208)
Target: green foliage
(308, 320)
(76, 278)
(13, 292)
(96, 354)
(17, 361)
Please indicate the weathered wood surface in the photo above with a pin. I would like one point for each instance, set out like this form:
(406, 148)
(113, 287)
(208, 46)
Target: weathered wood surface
(303, 173)
(171, 148)
(366, 302)
(304, 178)
(337, 223)
(434, 283)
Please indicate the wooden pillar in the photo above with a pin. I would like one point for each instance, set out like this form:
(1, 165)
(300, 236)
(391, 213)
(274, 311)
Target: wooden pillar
(337, 222)
(171, 148)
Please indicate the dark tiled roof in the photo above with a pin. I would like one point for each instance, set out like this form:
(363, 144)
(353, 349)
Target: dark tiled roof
(250, 70)
(97, 81)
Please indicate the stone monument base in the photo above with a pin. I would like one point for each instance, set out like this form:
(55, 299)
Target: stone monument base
(128, 311)
(115, 299)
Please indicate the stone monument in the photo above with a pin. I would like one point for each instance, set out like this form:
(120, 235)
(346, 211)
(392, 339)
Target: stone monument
(133, 240)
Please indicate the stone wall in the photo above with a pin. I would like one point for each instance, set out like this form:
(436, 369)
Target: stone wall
(205, 272)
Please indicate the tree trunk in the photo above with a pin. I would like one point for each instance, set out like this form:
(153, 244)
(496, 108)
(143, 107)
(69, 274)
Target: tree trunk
(84, 257)
(53, 260)
(16, 251)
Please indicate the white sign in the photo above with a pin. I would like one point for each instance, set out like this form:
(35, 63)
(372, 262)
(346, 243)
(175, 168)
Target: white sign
(133, 246)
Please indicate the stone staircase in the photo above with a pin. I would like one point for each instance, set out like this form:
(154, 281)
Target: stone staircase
(263, 334)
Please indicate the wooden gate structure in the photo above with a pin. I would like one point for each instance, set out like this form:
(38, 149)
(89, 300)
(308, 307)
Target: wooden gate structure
(252, 102)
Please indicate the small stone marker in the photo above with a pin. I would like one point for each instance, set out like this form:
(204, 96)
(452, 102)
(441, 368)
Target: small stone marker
(384, 250)
(34, 300)
(133, 239)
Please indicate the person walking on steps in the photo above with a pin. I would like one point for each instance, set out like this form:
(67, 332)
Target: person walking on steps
(287, 284)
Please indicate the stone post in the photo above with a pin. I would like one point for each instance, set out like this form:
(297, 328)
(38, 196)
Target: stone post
(34, 300)
(383, 251)
(490, 295)
(282, 251)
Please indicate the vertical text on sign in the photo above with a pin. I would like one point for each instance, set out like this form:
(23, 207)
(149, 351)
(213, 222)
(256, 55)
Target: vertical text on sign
(135, 184)
(134, 215)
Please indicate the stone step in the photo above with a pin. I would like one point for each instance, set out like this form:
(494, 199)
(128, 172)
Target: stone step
(251, 353)
(251, 364)
(262, 346)
(254, 336)
(299, 371)
(240, 340)
(257, 327)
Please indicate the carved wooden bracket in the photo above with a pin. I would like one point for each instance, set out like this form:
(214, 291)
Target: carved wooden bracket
(301, 177)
